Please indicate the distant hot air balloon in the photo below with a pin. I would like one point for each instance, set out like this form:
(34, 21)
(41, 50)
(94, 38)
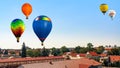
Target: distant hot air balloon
(104, 8)
(112, 14)
(17, 27)
(26, 9)
(42, 26)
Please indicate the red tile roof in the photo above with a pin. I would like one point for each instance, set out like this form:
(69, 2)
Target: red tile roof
(93, 53)
(77, 63)
(73, 54)
(83, 66)
(88, 61)
(114, 58)
(103, 55)
(29, 59)
(82, 55)
(108, 49)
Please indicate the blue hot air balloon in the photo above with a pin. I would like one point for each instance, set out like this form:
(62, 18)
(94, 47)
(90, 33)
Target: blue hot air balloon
(42, 26)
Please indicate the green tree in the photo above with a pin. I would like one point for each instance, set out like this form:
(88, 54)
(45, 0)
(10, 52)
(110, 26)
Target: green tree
(36, 52)
(100, 49)
(115, 46)
(30, 53)
(109, 45)
(109, 53)
(12, 52)
(55, 51)
(64, 49)
(0, 51)
(77, 49)
(23, 50)
(33, 52)
(5, 52)
(45, 52)
(83, 50)
(58, 52)
(90, 47)
(115, 51)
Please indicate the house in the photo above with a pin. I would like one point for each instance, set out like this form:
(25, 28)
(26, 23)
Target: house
(114, 61)
(114, 58)
(89, 63)
(73, 55)
(92, 55)
(106, 50)
(82, 55)
(75, 63)
(11, 62)
(103, 57)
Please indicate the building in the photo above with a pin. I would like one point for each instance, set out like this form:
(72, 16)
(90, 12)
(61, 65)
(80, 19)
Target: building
(76, 63)
(114, 58)
(15, 62)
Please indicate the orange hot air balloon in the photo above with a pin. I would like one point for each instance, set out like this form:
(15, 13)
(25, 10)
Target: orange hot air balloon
(26, 9)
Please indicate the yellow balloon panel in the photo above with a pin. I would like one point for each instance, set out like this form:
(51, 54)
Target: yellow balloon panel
(104, 8)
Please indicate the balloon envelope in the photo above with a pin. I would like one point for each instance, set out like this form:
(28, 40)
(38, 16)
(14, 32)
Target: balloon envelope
(112, 13)
(42, 26)
(104, 8)
(26, 9)
(17, 27)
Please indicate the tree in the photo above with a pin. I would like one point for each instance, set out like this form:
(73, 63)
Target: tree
(115, 46)
(23, 50)
(90, 46)
(83, 50)
(115, 51)
(36, 53)
(0, 51)
(100, 49)
(33, 52)
(109, 53)
(58, 52)
(77, 49)
(116, 64)
(109, 45)
(106, 62)
(64, 49)
(30, 53)
(12, 52)
(106, 46)
(5, 52)
(55, 51)
(45, 52)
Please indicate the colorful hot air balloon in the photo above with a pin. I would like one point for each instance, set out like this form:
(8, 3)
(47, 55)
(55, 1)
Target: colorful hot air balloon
(112, 14)
(42, 26)
(26, 9)
(17, 27)
(104, 8)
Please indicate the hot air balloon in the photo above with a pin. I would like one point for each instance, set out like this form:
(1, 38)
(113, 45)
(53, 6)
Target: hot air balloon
(17, 27)
(112, 14)
(104, 8)
(26, 9)
(42, 26)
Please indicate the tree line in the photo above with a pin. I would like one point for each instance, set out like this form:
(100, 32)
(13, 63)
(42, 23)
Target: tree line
(26, 51)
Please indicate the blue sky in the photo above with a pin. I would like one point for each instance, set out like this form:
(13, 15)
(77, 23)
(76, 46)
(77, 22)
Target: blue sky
(75, 22)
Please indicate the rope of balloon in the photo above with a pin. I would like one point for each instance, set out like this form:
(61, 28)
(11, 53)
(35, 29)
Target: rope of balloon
(104, 8)
(42, 24)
